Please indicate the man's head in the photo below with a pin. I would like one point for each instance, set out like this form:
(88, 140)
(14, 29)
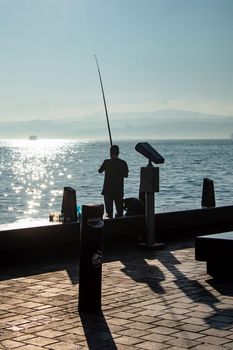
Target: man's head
(114, 151)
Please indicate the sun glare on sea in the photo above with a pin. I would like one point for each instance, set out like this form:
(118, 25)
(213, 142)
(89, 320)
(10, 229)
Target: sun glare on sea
(41, 145)
(35, 172)
(36, 165)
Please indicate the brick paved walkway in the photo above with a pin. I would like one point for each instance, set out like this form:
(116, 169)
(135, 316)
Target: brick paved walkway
(151, 300)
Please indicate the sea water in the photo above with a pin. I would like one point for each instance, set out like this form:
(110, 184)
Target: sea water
(33, 174)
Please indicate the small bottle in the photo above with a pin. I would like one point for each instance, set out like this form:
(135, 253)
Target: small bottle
(61, 218)
(79, 212)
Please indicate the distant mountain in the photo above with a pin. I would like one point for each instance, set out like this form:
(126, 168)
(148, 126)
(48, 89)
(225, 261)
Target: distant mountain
(164, 124)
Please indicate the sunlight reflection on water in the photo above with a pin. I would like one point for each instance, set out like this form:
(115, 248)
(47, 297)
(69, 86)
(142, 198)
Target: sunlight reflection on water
(34, 173)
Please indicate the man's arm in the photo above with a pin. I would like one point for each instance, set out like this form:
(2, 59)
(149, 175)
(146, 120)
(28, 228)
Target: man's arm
(126, 171)
(102, 168)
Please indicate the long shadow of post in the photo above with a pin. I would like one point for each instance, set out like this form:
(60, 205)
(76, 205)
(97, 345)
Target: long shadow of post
(97, 332)
(140, 271)
(193, 289)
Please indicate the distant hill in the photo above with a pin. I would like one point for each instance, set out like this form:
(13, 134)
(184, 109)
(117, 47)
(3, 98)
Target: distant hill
(164, 124)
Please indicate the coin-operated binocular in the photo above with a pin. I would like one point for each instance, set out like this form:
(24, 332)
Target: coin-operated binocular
(149, 152)
(149, 184)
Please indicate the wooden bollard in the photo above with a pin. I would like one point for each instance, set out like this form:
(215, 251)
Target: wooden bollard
(69, 205)
(208, 195)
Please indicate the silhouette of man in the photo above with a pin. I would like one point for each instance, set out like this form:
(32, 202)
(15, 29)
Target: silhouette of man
(115, 170)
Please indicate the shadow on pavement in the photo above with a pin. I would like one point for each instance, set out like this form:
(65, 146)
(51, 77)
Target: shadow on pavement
(97, 332)
(140, 271)
(23, 266)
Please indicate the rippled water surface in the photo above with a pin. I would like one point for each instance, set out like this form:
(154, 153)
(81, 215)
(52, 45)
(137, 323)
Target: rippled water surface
(34, 173)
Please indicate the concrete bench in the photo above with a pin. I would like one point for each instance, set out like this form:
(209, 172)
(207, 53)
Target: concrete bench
(217, 251)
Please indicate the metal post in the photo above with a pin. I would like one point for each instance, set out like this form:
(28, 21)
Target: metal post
(150, 217)
(149, 184)
(90, 267)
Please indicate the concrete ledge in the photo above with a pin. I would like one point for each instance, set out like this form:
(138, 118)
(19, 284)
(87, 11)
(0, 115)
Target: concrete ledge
(191, 223)
(117, 232)
(216, 250)
(216, 247)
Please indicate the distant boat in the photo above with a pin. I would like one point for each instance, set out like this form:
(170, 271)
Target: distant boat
(32, 137)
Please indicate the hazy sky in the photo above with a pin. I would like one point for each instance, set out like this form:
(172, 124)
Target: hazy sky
(153, 54)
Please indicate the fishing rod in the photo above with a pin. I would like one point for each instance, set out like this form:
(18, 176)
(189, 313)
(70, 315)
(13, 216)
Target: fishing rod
(105, 105)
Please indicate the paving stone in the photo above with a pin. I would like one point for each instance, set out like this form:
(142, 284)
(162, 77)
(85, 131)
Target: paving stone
(220, 325)
(208, 347)
(50, 333)
(168, 323)
(72, 338)
(138, 326)
(171, 317)
(184, 343)
(64, 346)
(149, 345)
(41, 341)
(192, 328)
(124, 347)
(176, 348)
(30, 347)
(156, 337)
(215, 340)
(11, 344)
(128, 340)
(230, 336)
(124, 315)
(143, 319)
(218, 333)
(195, 320)
(133, 333)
